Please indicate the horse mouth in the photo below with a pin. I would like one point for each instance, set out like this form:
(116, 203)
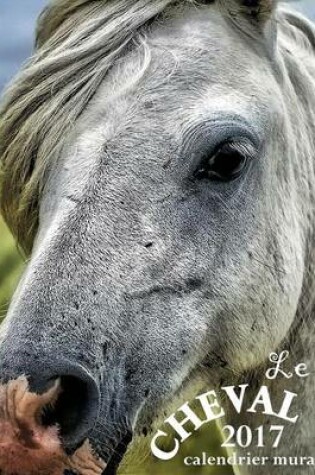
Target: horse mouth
(114, 461)
(118, 454)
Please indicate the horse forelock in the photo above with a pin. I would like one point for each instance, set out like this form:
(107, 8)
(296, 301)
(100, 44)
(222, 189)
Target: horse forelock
(77, 43)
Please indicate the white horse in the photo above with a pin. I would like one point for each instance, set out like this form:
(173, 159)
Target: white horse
(157, 166)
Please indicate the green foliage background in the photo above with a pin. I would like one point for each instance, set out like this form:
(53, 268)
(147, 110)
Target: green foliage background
(11, 265)
(139, 460)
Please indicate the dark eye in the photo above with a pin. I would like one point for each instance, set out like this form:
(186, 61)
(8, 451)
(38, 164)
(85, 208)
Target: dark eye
(228, 162)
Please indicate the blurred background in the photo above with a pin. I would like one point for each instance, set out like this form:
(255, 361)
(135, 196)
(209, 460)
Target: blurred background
(17, 23)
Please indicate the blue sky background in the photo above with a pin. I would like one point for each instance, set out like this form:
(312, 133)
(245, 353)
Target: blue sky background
(17, 21)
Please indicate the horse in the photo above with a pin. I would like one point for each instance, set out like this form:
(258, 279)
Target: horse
(157, 170)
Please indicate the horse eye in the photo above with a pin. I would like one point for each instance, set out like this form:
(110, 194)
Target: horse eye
(227, 163)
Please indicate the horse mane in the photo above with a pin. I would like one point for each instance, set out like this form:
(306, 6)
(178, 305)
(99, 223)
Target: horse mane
(77, 43)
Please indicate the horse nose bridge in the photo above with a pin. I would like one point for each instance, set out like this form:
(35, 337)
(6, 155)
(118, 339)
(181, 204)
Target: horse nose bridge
(49, 316)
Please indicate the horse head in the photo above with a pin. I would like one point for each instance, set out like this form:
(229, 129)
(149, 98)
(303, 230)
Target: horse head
(156, 170)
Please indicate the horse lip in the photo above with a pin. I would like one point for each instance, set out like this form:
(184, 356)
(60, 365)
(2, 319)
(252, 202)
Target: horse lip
(118, 455)
(115, 460)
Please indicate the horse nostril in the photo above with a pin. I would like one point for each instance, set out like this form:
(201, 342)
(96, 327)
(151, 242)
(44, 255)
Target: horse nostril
(60, 396)
(76, 408)
(72, 410)
(45, 422)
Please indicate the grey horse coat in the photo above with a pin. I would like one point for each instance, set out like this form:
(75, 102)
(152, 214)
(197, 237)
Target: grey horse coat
(158, 167)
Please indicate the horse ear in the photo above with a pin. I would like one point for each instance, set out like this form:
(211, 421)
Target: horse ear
(256, 11)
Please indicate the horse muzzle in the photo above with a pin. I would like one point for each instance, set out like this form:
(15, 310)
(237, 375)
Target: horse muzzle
(47, 418)
(39, 430)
